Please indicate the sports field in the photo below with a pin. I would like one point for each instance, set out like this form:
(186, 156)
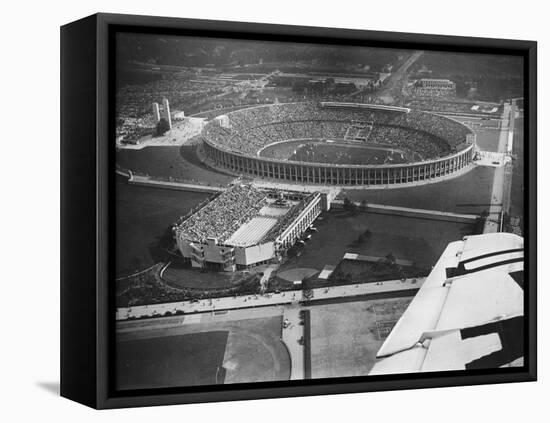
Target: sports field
(324, 152)
(346, 337)
(170, 361)
(236, 346)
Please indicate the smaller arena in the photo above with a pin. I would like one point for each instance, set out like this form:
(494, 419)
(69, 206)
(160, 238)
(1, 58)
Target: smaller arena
(245, 227)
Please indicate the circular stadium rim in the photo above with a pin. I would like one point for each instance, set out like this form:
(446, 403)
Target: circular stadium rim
(390, 175)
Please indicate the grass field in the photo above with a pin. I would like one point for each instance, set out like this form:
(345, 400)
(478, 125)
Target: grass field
(177, 162)
(418, 240)
(469, 193)
(346, 337)
(180, 276)
(239, 346)
(170, 361)
(347, 154)
(144, 214)
(142, 217)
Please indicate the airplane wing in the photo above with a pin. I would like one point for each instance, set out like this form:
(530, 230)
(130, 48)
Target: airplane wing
(468, 314)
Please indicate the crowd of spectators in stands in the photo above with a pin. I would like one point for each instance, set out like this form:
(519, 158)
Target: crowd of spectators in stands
(433, 92)
(251, 129)
(221, 217)
(427, 145)
(438, 105)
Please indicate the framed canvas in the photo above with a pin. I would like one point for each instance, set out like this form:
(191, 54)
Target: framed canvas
(256, 211)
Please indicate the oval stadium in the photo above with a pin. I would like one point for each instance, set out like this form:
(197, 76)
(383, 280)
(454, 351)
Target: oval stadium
(338, 144)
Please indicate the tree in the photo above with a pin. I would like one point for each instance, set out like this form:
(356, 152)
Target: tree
(365, 236)
(162, 127)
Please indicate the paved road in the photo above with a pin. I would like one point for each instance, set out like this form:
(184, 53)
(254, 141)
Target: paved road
(291, 337)
(248, 301)
(396, 80)
(197, 322)
(499, 190)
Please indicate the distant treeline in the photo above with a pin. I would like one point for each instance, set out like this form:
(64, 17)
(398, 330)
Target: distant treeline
(478, 76)
(194, 51)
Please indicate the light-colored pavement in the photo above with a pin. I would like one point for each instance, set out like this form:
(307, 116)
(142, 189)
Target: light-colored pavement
(198, 321)
(265, 277)
(408, 211)
(493, 222)
(247, 301)
(491, 159)
(395, 82)
(180, 134)
(184, 186)
(292, 334)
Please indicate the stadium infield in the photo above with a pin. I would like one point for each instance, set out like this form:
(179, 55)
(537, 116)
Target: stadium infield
(347, 154)
(337, 152)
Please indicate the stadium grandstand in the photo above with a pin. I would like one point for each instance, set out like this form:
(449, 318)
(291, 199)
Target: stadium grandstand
(244, 227)
(398, 145)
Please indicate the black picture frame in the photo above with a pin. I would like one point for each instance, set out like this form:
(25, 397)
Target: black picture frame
(87, 163)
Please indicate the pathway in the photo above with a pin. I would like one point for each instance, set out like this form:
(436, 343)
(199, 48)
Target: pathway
(291, 337)
(184, 186)
(493, 221)
(270, 299)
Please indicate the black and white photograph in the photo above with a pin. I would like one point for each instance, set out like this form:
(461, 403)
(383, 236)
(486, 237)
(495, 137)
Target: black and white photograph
(243, 212)
(290, 211)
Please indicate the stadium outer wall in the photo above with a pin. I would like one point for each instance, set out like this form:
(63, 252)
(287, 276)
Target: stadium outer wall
(333, 174)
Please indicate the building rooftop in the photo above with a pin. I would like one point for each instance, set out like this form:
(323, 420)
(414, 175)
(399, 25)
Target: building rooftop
(252, 232)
